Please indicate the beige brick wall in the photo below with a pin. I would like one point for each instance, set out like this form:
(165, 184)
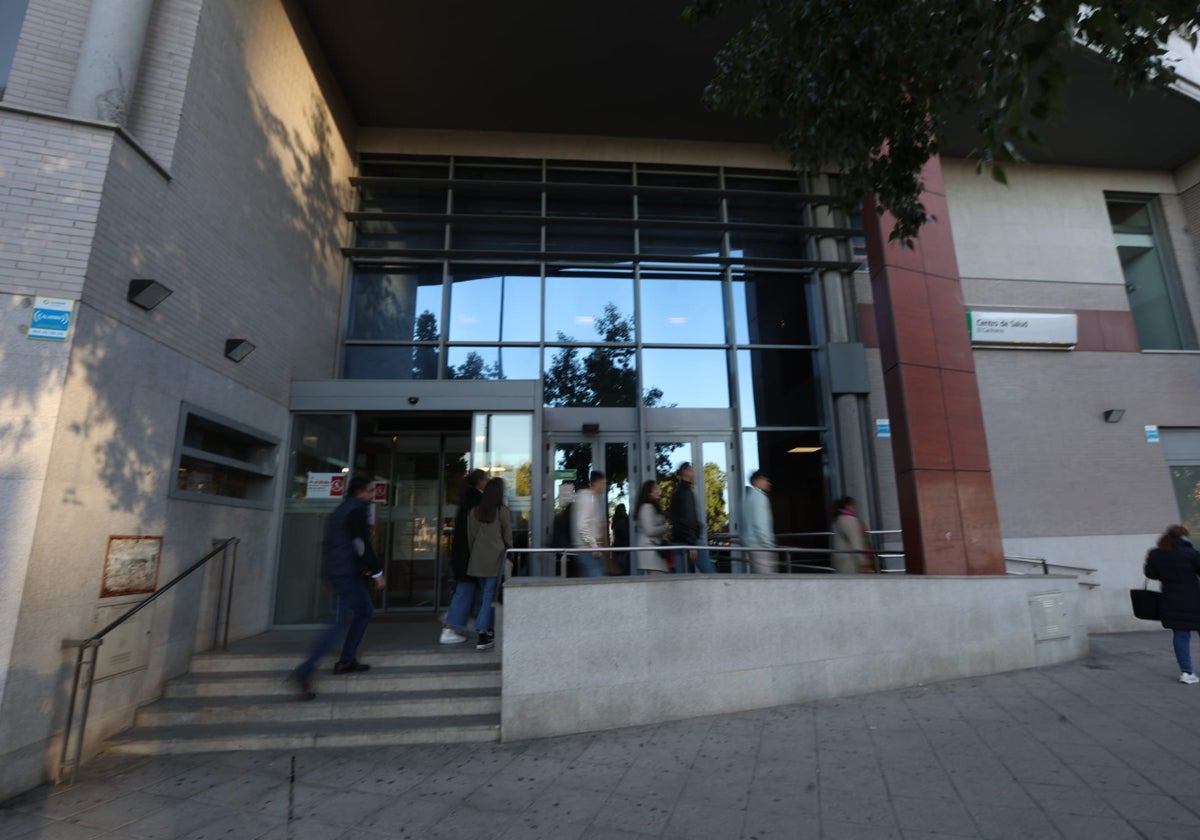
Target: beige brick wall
(51, 177)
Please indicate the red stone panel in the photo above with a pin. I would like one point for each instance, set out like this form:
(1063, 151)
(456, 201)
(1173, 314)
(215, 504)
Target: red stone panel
(952, 338)
(902, 309)
(1090, 337)
(941, 524)
(1120, 334)
(925, 412)
(964, 418)
(868, 333)
(981, 523)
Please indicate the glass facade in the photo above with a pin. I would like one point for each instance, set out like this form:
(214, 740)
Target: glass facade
(617, 286)
(591, 270)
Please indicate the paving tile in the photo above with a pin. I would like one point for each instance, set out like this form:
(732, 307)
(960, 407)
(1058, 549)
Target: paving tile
(463, 822)
(1078, 827)
(55, 830)
(121, 811)
(170, 823)
(772, 825)
(1001, 822)
(235, 826)
(1082, 801)
(834, 830)
(632, 813)
(706, 822)
(933, 815)
(1153, 808)
(507, 792)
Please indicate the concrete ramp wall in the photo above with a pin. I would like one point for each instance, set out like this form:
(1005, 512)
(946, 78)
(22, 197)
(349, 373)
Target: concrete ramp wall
(586, 655)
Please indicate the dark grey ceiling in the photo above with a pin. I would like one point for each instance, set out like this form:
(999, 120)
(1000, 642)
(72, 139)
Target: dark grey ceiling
(635, 68)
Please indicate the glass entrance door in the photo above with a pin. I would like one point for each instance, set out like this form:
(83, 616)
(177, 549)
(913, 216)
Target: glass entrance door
(717, 486)
(571, 463)
(415, 516)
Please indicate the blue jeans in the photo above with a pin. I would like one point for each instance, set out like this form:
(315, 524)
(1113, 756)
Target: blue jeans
(593, 566)
(704, 564)
(464, 598)
(1183, 649)
(352, 610)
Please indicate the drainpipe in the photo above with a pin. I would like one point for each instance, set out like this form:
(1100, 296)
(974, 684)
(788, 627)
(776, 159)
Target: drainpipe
(109, 59)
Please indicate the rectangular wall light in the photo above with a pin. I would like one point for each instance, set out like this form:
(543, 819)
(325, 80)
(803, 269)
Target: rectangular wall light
(147, 293)
(237, 349)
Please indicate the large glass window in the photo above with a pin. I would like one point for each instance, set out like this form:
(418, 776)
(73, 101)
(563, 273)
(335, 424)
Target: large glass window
(777, 388)
(395, 304)
(590, 376)
(680, 308)
(685, 378)
(493, 362)
(494, 304)
(771, 309)
(590, 305)
(1155, 299)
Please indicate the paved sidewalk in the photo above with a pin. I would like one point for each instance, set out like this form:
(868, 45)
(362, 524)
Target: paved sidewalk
(1108, 747)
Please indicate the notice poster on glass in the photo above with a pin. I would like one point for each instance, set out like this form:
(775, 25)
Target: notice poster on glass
(131, 566)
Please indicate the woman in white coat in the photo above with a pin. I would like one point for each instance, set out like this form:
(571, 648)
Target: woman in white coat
(651, 527)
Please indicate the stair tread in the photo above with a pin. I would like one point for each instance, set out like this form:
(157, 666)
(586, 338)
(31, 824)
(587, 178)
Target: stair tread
(378, 671)
(200, 731)
(362, 697)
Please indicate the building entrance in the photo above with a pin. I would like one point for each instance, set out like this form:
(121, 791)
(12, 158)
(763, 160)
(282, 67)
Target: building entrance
(418, 462)
(572, 458)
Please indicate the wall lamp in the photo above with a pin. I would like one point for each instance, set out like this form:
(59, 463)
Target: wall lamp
(147, 293)
(237, 349)
(1114, 415)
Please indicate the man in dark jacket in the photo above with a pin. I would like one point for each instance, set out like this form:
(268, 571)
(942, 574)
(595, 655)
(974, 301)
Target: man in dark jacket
(686, 527)
(348, 559)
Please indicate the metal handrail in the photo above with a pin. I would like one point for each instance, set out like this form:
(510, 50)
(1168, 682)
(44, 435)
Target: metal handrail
(67, 768)
(567, 552)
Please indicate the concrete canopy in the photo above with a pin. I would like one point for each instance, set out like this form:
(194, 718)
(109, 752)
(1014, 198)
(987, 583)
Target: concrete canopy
(635, 68)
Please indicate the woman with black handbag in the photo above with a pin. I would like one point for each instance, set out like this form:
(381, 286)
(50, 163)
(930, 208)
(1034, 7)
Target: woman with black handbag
(1177, 565)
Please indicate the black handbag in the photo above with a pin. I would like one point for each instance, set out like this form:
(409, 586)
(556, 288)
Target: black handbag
(1146, 603)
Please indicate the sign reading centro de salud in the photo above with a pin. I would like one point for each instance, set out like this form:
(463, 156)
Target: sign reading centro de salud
(51, 318)
(1050, 330)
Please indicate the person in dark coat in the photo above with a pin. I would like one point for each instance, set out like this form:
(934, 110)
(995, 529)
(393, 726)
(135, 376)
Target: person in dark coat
(686, 527)
(349, 559)
(460, 551)
(1177, 565)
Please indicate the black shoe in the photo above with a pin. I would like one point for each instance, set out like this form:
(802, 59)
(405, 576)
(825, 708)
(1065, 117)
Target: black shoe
(304, 686)
(486, 640)
(351, 667)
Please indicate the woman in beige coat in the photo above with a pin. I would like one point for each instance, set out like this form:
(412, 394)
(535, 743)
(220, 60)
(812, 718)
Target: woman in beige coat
(849, 538)
(652, 527)
(489, 536)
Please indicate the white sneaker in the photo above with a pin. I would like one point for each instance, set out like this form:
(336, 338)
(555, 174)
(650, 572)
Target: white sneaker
(451, 637)
(1189, 678)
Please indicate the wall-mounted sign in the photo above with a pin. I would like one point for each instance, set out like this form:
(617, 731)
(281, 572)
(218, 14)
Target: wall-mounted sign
(1152, 434)
(883, 428)
(326, 485)
(381, 492)
(130, 566)
(1036, 330)
(51, 318)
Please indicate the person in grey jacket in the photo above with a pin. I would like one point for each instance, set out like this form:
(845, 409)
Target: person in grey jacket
(758, 529)
(349, 560)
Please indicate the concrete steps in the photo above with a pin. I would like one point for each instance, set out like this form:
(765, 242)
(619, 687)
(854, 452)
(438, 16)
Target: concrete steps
(244, 701)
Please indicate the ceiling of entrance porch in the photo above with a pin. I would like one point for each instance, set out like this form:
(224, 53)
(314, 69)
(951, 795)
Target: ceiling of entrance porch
(634, 68)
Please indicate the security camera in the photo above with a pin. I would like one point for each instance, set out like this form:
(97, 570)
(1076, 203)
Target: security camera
(413, 400)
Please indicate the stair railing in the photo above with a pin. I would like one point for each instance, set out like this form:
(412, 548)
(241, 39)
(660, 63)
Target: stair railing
(85, 659)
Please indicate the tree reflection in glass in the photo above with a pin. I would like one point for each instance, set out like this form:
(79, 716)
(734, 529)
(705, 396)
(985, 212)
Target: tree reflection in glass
(605, 376)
